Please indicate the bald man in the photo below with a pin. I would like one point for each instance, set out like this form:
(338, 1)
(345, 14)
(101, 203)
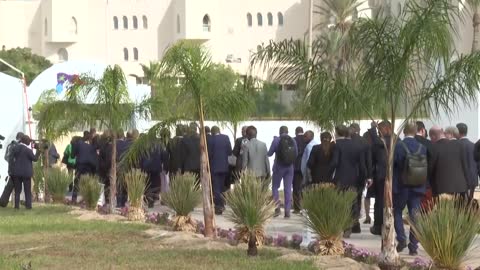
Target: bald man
(447, 165)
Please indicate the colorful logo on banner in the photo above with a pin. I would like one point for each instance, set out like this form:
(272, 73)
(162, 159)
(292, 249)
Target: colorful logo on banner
(64, 79)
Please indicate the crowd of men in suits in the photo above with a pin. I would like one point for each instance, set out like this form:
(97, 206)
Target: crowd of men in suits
(351, 162)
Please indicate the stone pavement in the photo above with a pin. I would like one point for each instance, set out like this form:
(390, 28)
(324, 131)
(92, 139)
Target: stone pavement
(280, 225)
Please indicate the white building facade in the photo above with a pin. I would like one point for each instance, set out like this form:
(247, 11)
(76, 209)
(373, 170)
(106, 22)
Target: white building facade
(130, 32)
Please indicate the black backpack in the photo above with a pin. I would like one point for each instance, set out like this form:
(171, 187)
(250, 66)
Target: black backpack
(286, 153)
(415, 170)
(9, 152)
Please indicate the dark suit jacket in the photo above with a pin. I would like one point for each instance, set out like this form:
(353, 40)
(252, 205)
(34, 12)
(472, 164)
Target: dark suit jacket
(299, 139)
(190, 147)
(379, 155)
(174, 150)
(424, 141)
(219, 148)
(319, 165)
(23, 158)
(348, 163)
(472, 165)
(153, 163)
(85, 154)
(400, 161)
(237, 152)
(53, 155)
(104, 159)
(367, 151)
(447, 167)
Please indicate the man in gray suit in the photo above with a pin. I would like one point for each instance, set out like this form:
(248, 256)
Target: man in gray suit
(255, 157)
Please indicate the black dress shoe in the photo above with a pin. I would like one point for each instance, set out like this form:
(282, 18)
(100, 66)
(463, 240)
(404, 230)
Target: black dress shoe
(401, 246)
(413, 253)
(368, 220)
(375, 230)
(356, 228)
(277, 212)
(218, 212)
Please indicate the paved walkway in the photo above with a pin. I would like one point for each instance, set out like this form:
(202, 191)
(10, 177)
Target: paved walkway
(293, 225)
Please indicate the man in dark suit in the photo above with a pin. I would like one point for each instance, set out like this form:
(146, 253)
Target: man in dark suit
(422, 135)
(122, 147)
(238, 153)
(380, 139)
(297, 173)
(348, 163)
(86, 161)
(174, 152)
(447, 166)
(471, 163)
(152, 165)
(404, 196)
(367, 152)
(23, 170)
(219, 149)
(190, 147)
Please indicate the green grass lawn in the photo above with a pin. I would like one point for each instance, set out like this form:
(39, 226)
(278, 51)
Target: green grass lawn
(50, 238)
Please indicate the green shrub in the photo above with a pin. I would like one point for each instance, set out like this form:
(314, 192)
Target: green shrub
(57, 183)
(447, 231)
(136, 184)
(329, 214)
(251, 207)
(182, 198)
(90, 190)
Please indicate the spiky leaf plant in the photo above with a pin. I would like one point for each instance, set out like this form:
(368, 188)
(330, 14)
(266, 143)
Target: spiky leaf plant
(329, 214)
(251, 207)
(447, 231)
(90, 190)
(135, 182)
(58, 181)
(183, 197)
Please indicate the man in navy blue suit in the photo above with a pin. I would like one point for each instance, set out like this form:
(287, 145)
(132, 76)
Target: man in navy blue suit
(86, 160)
(219, 148)
(406, 196)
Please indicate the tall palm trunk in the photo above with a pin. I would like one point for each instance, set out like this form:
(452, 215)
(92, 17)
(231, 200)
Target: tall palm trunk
(252, 244)
(389, 255)
(476, 30)
(113, 175)
(205, 178)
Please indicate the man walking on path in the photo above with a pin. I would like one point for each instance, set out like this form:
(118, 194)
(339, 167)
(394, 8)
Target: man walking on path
(285, 150)
(297, 174)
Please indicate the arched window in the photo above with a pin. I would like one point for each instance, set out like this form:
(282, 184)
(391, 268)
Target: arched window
(62, 55)
(259, 19)
(270, 19)
(115, 22)
(249, 19)
(125, 54)
(45, 27)
(206, 23)
(145, 22)
(73, 26)
(280, 18)
(135, 22)
(135, 54)
(178, 23)
(125, 22)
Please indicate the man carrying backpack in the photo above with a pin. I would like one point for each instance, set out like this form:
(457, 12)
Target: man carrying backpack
(7, 191)
(285, 150)
(409, 184)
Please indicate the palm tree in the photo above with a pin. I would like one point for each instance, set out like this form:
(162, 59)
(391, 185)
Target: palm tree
(150, 72)
(104, 102)
(404, 65)
(337, 13)
(251, 208)
(474, 6)
(191, 87)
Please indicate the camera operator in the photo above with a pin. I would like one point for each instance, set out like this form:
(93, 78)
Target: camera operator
(23, 170)
(9, 152)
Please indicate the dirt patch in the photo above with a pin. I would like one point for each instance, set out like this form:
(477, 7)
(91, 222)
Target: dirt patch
(186, 240)
(86, 215)
(329, 262)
